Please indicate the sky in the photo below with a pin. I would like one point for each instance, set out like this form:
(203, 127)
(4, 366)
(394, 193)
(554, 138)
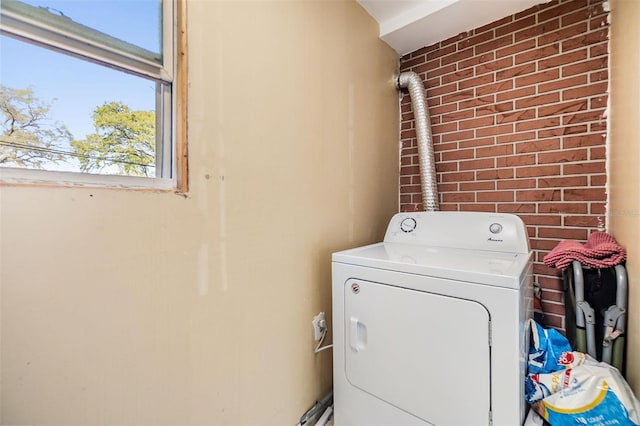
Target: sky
(73, 87)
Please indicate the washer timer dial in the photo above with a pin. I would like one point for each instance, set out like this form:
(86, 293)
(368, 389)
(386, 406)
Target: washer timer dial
(495, 228)
(408, 224)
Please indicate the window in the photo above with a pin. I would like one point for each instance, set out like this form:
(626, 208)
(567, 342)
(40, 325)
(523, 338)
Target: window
(93, 91)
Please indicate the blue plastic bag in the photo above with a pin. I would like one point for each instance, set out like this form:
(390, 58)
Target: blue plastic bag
(546, 348)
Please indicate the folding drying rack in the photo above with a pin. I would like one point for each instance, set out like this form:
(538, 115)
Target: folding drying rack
(596, 306)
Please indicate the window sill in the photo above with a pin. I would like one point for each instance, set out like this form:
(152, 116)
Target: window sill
(15, 177)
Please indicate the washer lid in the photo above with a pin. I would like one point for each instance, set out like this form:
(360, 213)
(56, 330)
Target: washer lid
(484, 267)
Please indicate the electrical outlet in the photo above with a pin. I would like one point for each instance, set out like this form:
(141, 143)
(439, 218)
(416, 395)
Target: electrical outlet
(319, 326)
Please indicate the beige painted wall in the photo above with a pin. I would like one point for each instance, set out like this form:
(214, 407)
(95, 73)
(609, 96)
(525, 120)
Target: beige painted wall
(624, 161)
(126, 307)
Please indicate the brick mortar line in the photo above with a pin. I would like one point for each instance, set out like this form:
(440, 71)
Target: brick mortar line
(514, 190)
(586, 147)
(443, 103)
(589, 97)
(439, 117)
(515, 131)
(524, 109)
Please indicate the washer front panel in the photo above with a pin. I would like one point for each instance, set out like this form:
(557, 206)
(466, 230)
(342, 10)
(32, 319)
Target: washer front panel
(508, 308)
(420, 352)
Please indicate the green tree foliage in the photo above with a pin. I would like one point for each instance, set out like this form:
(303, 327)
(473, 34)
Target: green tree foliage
(29, 139)
(124, 139)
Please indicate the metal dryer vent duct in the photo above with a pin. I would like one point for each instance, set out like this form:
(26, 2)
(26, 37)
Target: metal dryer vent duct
(413, 83)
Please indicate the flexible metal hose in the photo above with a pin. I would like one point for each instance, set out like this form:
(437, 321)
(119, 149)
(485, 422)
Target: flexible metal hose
(426, 159)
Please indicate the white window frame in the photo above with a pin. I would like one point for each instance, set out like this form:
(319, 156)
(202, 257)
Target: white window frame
(58, 33)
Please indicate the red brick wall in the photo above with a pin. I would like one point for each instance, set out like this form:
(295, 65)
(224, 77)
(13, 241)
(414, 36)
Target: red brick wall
(517, 111)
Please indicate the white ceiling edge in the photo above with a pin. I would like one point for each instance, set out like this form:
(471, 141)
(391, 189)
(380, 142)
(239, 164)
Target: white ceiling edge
(408, 25)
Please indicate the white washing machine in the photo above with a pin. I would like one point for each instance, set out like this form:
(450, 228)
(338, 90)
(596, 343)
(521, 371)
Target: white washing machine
(429, 325)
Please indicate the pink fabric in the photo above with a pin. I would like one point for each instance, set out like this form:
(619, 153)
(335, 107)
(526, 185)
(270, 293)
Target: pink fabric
(600, 251)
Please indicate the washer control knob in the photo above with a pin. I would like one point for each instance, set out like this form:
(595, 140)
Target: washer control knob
(408, 224)
(495, 228)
